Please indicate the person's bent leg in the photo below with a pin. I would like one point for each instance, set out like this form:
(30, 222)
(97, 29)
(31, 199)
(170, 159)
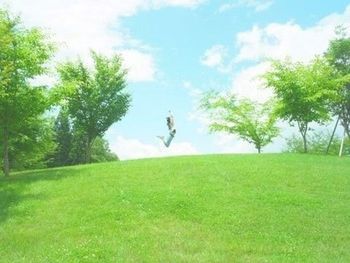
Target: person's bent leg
(168, 141)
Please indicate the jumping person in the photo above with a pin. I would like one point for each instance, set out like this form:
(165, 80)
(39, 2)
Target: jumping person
(172, 131)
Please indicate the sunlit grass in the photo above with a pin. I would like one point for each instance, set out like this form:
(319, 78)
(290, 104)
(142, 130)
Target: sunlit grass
(218, 208)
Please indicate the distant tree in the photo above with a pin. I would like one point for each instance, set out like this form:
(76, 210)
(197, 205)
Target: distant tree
(303, 92)
(338, 54)
(23, 56)
(95, 98)
(100, 152)
(63, 139)
(252, 122)
(79, 142)
(318, 142)
(31, 146)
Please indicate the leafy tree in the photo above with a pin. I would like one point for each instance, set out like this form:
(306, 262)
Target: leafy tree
(79, 143)
(318, 143)
(252, 122)
(100, 152)
(69, 144)
(95, 98)
(63, 139)
(31, 146)
(338, 54)
(303, 92)
(23, 54)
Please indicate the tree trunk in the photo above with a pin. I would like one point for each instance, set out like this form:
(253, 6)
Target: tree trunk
(259, 149)
(330, 141)
(347, 131)
(88, 150)
(88, 154)
(303, 127)
(86, 159)
(342, 145)
(6, 153)
(305, 143)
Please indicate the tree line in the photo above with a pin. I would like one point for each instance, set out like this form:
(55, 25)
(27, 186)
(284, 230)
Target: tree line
(61, 125)
(304, 94)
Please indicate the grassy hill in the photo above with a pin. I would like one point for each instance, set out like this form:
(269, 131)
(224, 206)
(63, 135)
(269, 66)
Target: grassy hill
(215, 208)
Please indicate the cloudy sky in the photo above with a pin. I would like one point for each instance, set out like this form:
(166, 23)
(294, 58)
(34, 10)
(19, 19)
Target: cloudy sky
(176, 49)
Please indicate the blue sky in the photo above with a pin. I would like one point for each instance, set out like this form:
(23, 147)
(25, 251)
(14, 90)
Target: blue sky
(175, 49)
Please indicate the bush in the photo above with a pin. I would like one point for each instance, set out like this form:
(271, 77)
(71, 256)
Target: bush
(100, 152)
(317, 144)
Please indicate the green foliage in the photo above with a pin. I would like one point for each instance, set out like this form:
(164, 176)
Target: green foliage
(77, 154)
(318, 143)
(251, 121)
(31, 146)
(24, 54)
(338, 54)
(70, 143)
(63, 139)
(100, 152)
(95, 99)
(217, 208)
(304, 92)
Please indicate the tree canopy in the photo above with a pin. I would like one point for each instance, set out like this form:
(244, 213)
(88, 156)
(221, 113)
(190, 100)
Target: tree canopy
(24, 54)
(303, 92)
(95, 98)
(338, 54)
(250, 121)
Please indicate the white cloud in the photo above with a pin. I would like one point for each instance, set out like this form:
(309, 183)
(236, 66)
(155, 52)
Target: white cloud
(214, 56)
(290, 39)
(249, 84)
(127, 148)
(257, 5)
(140, 66)
(192, 91)
(81, 25)
(183, 3)
(197, 114)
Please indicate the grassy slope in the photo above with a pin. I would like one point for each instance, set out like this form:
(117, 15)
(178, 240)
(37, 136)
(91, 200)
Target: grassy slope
(220, 208)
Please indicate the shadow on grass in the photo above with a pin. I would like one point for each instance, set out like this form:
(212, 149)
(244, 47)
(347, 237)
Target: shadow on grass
(13, 190)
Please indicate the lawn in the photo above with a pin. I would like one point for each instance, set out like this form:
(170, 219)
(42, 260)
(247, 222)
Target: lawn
(213, 208)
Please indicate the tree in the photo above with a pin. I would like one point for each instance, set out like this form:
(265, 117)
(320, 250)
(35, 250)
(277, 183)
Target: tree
(23, 55)
(95, 98)
(303, 92)
(63, 139)
(78, 147)
(69, 144)
(338, 54)
(100, 152)
(318, 143)
(251, 121)
(31, 146)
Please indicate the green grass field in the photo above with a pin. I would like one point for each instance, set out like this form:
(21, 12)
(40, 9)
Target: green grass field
(214, 208)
